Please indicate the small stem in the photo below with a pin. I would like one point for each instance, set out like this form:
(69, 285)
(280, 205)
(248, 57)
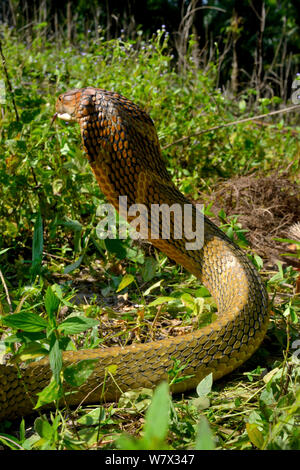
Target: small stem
(8, 83)
(233, 123)
(6, 291)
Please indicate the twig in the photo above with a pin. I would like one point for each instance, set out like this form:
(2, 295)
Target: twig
(6, 291)
(232, 123)
(8, 82)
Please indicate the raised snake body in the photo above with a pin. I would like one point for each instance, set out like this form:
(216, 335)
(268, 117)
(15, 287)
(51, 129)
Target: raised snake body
(123, 150)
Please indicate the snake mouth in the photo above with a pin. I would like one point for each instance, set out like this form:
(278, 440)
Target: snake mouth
(65, 116)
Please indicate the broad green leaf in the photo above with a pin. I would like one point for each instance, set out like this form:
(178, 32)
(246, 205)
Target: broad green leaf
(29, 443)
(93, 417)
(14, 128)
(90, 435)
(111, 369)
(51, 302)
(188, 300)
(156, 424)
(202, 292)
(72, 224)
(31, 351)
(259, 262)
(73, 266)
(154, 286)
(267, 398)
(55, 358)
(76, 374)
(52, 392)
(43, 428)
(29, 115)
(126, 280)
(204, 387)
(116, 246)
(75, 325)
(148, 271)
(65, 150)
(255, 435)
(204, 438)
(137, 400)
(160, 300)
(129, 443)
(26, 321)
(201, 403)
(157, 416)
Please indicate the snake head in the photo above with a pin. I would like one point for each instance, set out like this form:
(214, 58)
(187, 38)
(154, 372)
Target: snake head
(67, 105)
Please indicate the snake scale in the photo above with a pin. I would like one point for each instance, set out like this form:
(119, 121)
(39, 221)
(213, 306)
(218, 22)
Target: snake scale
(122, 147)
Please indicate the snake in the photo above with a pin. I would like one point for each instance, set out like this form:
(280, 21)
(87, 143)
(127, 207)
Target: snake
(122, 146)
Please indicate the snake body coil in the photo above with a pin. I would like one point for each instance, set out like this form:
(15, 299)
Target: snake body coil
(123, 150)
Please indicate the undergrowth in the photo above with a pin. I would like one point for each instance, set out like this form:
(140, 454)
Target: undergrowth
(63, 288)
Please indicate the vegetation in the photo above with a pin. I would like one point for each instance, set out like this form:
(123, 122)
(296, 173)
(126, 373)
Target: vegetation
(63, 288)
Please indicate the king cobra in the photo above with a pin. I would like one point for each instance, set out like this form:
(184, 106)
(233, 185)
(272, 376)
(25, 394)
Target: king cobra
(123, 150)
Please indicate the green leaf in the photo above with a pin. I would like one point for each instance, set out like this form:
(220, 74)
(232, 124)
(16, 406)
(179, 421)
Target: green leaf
(188, 301)
(75, 325)
(126, 280)
(29, 115)
(116, 246)
(22, 430)
(267, 398)
(154, 286)
(51, 302)
(76, 374)
(204, 439)
(93, 417)
(72, 224)
(288, 240)
(160, 300)
(3, 251)
(73, 266)
(157, 416)
(148, 271)
(111, 369)
(37, 246)
(65, 150)
(202, 292)
(43, 428)
(26, 321)
(255, 435)
(204, 387)
(259, 262)
(52, 392)
(14, 128)
(55, 358)
(128, 443)
(201, 403)
(30, 351)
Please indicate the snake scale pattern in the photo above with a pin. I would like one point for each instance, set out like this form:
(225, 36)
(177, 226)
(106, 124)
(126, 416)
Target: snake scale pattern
(122, 147)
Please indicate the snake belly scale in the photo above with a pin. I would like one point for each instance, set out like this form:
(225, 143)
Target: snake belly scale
(122, 147)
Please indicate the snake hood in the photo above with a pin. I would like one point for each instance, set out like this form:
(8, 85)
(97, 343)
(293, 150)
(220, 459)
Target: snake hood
(115, 132)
